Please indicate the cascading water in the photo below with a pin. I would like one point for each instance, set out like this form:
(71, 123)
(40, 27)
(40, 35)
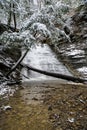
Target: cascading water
(42, 57)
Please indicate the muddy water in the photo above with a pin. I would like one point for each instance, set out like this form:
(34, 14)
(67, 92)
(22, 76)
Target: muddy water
(52, 107)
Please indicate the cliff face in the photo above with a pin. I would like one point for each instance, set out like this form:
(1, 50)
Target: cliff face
(75, 53)
(79, 25)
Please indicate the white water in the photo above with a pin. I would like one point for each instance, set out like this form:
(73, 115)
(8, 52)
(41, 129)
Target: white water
(45, 59)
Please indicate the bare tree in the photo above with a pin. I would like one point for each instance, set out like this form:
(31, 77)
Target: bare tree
(12, 14)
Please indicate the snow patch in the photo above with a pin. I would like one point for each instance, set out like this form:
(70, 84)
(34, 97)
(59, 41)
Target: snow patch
(6, 90)
(75, 52)
(83, 70)
(40, 28)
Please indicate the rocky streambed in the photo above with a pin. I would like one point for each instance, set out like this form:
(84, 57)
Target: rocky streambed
(46, 105)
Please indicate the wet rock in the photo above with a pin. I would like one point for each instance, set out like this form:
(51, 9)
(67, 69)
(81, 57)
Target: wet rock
(50, 108)
(5, 108)
(34, 98)
(71, 120)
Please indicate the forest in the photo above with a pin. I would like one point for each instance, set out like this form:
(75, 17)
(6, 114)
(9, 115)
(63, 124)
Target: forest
(43, 65)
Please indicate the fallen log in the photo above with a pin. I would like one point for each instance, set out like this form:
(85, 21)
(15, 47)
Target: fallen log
(56, 75)
(17, 63)
(4, 65)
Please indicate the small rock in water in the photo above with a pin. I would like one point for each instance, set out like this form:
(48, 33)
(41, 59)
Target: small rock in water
(5, 108)
(71, 120)
(50, 108)
(34, 98)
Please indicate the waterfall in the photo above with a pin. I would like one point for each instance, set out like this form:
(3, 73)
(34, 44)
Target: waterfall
(42, 57)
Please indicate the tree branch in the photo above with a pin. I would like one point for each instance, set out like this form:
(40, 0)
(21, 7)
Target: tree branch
(17, 63)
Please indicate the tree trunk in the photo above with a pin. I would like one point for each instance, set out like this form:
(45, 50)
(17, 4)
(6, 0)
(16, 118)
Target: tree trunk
(14, 17)
(17, 63)
(56, 75)
(9, 18)
(12, 14)
(5, 27)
